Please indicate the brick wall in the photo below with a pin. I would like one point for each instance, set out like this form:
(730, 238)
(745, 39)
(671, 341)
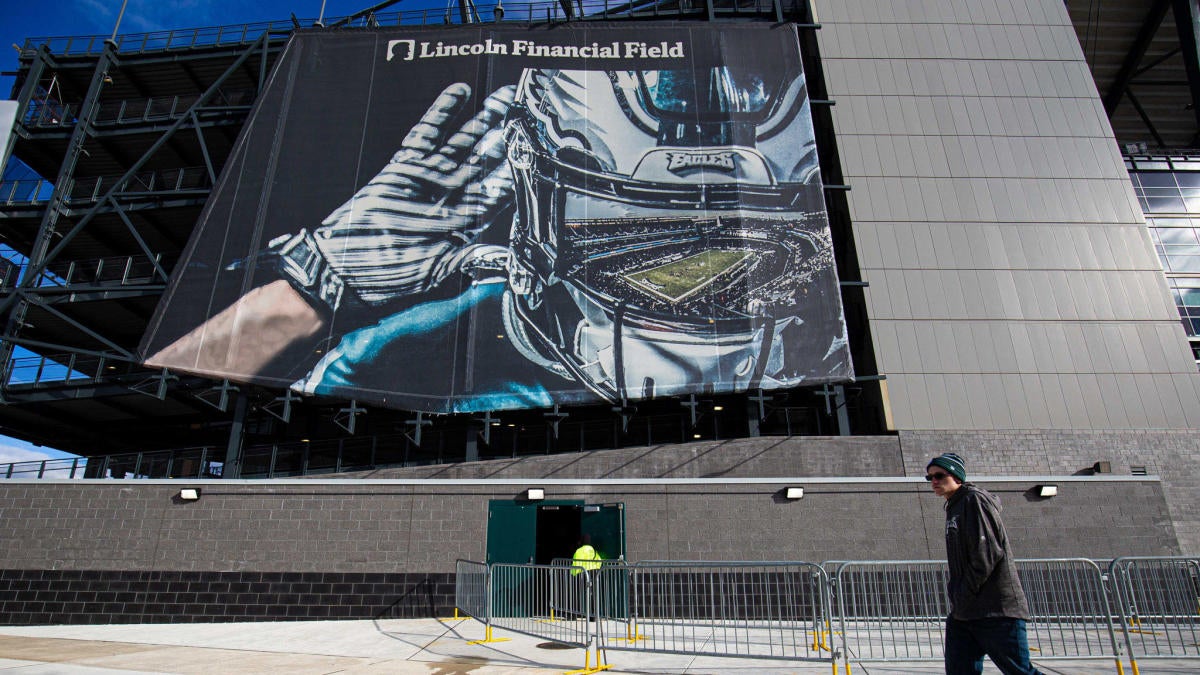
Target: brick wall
(109, 551)
(1172, 455)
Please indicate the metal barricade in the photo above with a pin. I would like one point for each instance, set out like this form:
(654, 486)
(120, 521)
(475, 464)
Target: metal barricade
(1068, 601)
(521, 597)
(471, 589)
(1158, 600)
(891, 611)
(896, 610)
(567, 593)
(734, 609)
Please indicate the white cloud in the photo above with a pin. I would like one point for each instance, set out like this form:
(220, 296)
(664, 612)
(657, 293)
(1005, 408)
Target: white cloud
(17, 451)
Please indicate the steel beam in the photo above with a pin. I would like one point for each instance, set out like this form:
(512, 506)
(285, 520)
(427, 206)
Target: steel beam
(1120, 85)
(37, 266)
(47, 230)
(1187, 25)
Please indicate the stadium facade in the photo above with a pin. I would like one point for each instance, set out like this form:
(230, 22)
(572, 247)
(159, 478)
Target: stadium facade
(1001, 294)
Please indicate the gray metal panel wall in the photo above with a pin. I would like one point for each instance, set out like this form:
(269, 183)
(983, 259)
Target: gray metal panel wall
(1012, 280)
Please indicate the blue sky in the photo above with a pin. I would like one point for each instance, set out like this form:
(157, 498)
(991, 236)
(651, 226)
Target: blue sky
(54, 18)
(57, 18)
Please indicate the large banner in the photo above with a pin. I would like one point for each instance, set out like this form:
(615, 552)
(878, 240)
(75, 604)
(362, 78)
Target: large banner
(498, 217)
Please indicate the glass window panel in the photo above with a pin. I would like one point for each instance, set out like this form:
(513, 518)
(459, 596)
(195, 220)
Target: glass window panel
(1158, 180)
(1188, 179)
(1183, 263)
(1188, 297)
(1164, 205)
(1171, 191)
(1176, 235)
(1181, 250)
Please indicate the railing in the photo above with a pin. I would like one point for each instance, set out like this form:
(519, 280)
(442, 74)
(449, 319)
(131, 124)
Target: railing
(1159, 604)
(759, 610)
(65, 368)
(112, 271)
(34, 191)
(895, 610)
(520, 602)
(157, 183)
(258, 461)
(882, 610)
(201, 462)
(45, 112)
(243, 34)
(66, 467)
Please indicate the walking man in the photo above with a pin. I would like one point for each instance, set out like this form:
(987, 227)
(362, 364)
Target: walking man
(988, 609)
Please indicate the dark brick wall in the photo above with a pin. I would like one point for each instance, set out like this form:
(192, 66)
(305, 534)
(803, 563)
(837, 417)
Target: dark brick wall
(106, 596)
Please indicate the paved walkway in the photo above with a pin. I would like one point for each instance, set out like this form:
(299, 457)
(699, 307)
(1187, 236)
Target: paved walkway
(430, 646)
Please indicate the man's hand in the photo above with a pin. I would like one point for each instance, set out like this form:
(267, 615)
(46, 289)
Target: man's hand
(398, 235)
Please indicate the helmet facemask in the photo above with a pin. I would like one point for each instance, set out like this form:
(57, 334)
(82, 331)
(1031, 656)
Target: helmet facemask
(669, 229)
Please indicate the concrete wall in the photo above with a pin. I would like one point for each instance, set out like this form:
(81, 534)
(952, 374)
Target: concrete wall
(1012, 280)
(1172, 454)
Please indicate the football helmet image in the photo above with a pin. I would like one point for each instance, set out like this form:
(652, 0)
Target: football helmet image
(670, 234)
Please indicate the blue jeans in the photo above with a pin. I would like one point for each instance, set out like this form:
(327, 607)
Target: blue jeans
(967, 642)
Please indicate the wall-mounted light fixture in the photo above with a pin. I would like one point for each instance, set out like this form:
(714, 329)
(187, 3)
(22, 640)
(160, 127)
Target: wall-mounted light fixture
(793, 493)
(189, 494)
(1046, 490)
(535, 494)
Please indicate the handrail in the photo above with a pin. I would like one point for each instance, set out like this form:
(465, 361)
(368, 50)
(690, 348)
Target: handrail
(110, 271)
(92, 188)
(46, 112)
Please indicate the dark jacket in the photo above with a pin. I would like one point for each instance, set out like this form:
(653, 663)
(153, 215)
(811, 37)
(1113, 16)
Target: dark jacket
(983, 577)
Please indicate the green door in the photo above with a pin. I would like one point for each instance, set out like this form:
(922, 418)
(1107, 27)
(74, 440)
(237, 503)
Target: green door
(512, 539)
(511, 531)
(605, 523)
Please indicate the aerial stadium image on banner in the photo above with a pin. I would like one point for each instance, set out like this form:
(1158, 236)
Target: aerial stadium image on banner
(499, 217)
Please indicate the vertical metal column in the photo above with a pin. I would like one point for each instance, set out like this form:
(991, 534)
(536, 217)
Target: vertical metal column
(233, 452)
(27, 90)
(1187, 24)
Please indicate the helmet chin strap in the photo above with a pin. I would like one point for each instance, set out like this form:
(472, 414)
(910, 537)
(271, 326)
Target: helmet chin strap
(764, 353)
(619, 351)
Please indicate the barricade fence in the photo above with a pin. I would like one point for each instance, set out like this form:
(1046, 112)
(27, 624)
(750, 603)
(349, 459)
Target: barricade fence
(471, 595)
(865, 611)
(746, 610)
(1158, 600)
(521, 596)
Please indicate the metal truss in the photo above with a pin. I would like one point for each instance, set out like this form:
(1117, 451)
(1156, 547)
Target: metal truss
(51, 241)
(1135, 68)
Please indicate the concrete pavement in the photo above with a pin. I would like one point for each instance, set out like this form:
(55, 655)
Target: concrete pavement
(429, 646)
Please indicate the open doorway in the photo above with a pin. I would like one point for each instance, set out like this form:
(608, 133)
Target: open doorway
(557, 532)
